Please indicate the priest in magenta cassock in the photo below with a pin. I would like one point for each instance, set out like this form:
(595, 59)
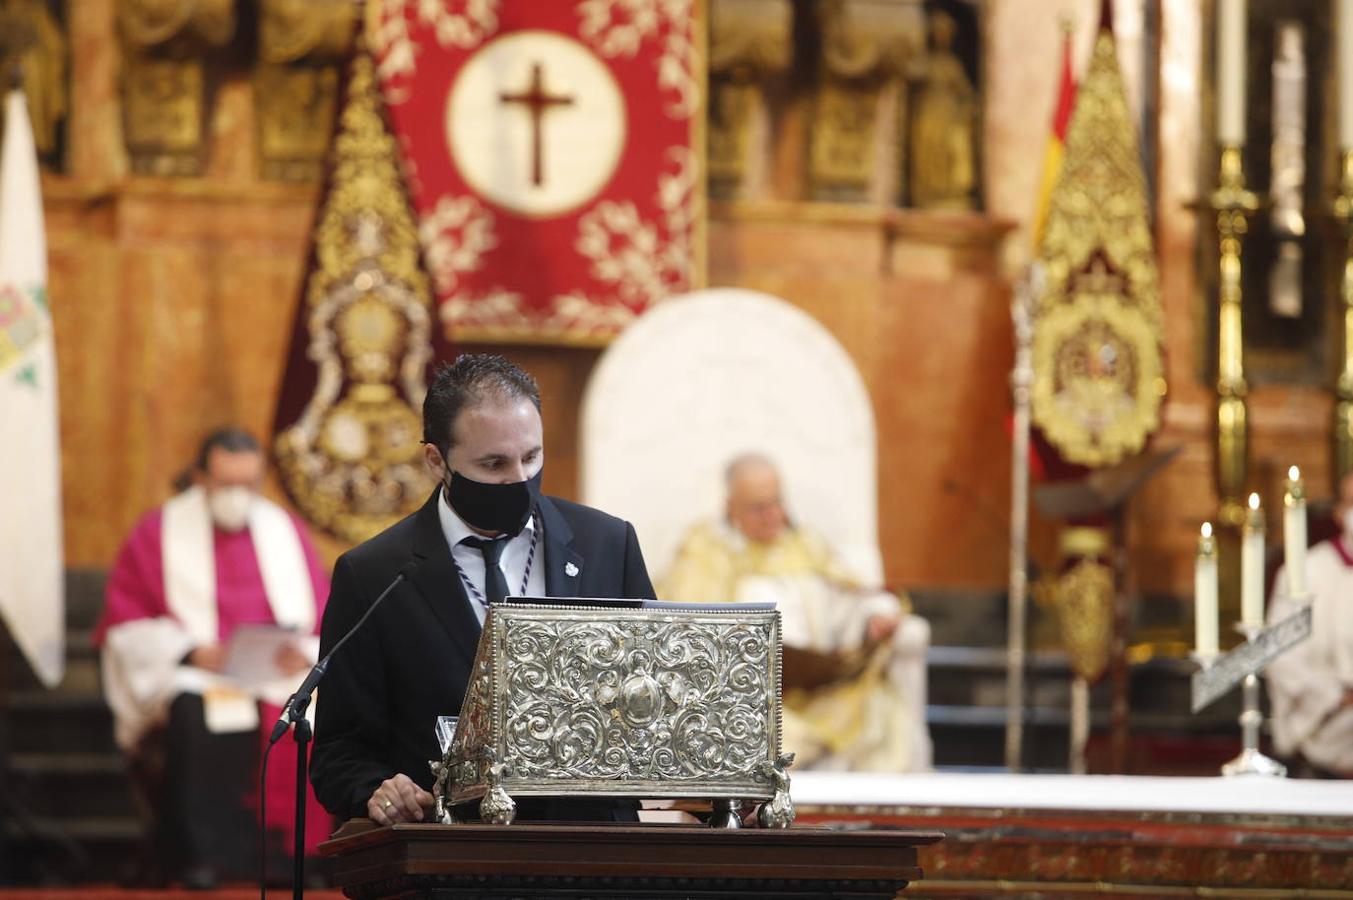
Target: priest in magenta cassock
(215, 557)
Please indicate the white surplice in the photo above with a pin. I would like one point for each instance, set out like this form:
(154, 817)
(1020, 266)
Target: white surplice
(1307, 683)
(142, 659)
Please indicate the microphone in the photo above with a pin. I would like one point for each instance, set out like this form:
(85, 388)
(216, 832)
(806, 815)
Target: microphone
(297, 702)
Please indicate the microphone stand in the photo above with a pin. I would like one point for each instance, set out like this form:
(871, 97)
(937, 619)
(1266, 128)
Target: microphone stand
(301, 734)
(293, 717)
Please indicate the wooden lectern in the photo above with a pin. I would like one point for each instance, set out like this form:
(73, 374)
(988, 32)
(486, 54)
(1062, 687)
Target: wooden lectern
(596, 698)
(621, 862)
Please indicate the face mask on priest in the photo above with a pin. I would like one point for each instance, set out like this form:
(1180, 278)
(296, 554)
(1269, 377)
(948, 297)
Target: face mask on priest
(230, 507)
(231, 477)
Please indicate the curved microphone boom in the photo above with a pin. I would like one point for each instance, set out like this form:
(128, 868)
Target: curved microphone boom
(297, 702)
(294, 712)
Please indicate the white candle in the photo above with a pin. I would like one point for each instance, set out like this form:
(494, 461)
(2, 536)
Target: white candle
(1343, 35)
(1205, 595)
(1252, 567)
(1231, 17)
(1294, 533)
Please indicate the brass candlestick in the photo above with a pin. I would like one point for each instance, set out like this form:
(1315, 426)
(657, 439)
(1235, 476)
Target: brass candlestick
(1343, 385)
(1234, 206)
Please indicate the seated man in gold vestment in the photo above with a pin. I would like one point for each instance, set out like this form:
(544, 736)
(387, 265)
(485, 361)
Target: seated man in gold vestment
(854, 655)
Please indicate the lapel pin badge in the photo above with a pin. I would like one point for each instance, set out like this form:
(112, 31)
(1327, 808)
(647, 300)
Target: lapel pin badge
(570, 569)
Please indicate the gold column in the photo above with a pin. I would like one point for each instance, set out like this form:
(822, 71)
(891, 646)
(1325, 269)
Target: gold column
(1234, 205)
(1343, 386)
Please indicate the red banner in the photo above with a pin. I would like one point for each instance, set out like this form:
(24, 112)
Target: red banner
(550, 152)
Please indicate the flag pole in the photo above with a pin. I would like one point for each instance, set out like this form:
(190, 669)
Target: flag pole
(1021, 382)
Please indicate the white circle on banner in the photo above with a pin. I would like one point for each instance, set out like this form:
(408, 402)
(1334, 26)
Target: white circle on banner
(535, 123)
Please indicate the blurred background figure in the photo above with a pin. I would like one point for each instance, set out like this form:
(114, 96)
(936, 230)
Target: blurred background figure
(854, 654)
(1311, 685)
(187, 703)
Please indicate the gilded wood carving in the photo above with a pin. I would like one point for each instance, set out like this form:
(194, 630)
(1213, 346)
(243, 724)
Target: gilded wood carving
(296, 82)
(749, 42)
(164, 86)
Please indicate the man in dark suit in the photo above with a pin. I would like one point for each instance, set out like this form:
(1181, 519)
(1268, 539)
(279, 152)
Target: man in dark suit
(485, 533)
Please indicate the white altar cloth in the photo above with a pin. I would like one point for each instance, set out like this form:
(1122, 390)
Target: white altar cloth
(1103, 793)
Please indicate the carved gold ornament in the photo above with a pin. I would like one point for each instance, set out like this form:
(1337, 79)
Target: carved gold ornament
(352, 461)
(300, 45)
(867, 45)
(32, 38)
(942, 157)
(1099, 376)
(1084, 595)
(164, 90)
(749, 41)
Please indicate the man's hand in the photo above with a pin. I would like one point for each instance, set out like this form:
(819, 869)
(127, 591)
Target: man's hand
(211, 657)
(1347, 699)
(290, 660)
(879, 628)
(398, 799)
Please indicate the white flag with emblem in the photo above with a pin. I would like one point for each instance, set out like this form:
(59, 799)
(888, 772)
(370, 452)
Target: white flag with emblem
(31, 559)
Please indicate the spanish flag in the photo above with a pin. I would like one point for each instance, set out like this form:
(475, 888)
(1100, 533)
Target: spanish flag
(1052, 156)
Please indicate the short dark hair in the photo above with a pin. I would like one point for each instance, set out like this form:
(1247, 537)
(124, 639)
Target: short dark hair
(470, 380)
(231, 439)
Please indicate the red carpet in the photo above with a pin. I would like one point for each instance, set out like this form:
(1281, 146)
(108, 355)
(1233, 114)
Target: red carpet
(108, 892)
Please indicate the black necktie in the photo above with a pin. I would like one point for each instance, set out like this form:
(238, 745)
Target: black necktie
(495, 582)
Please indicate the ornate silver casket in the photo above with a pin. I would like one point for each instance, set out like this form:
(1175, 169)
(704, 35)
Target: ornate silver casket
(667, 701)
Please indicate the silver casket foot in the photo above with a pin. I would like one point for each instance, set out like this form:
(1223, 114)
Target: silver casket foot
(778, 812)
(727, 814)
(497, 807)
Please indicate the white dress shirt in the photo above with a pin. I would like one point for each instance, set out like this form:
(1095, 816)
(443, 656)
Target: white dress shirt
(512, 562)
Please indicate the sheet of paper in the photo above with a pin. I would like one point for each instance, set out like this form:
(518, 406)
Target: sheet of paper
(251, 656)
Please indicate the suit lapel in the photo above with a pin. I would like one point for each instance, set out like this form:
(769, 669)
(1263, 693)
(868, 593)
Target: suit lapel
(563, 564)
(438, 581)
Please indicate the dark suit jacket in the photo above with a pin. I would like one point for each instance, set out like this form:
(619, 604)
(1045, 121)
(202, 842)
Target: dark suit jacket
(410, 662)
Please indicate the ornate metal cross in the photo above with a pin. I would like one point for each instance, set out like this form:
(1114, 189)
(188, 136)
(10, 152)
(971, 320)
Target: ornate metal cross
(1217, 676)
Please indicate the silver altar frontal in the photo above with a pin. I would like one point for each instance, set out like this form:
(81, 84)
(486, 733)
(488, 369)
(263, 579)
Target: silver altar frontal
(580, 698)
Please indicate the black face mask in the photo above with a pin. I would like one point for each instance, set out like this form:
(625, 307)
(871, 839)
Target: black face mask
(493, 507)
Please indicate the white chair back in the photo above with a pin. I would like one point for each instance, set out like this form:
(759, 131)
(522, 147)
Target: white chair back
(706, 376)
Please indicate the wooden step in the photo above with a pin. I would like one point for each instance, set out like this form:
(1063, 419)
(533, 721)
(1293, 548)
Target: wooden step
(61, 785)
(56, 721)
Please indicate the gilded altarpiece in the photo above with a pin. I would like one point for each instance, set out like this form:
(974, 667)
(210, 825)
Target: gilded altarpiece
(865, 48)
(750, 46)
(941, 155)
(301, 44)
(35, 46)
(168, 45)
